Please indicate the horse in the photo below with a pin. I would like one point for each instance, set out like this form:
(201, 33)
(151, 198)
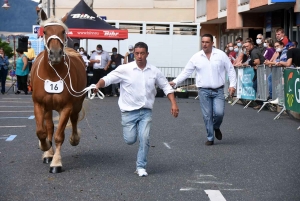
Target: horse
(57, 76)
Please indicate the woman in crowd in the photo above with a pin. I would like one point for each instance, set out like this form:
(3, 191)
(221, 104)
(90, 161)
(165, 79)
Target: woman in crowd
(3, 69)
(22, 71)
(270, 50)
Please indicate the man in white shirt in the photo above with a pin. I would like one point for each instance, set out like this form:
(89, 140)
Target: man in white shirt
(101, 61)
(210, 65)
(138, 82)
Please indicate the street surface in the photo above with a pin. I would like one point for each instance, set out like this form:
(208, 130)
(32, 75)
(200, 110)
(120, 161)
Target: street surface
(257, 160)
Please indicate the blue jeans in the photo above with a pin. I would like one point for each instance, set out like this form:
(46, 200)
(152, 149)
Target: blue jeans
(212, 103)
(136, 124)
(3, 74)
(270, 85)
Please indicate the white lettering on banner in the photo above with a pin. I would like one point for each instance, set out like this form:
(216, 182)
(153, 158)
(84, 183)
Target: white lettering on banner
(297, 97)
(247, 78)
(248, 91)
(112, 33)
(83, 16)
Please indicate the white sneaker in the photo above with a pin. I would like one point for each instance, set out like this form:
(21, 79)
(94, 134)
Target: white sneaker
(141, 172)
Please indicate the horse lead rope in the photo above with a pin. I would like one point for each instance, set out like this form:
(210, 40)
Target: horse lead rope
(87, 89)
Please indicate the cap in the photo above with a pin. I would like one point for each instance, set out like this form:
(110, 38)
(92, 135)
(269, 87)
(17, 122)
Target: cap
(130, 47)
(99, 46)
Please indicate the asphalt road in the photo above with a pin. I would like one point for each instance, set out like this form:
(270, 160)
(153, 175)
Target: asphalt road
(258, 158)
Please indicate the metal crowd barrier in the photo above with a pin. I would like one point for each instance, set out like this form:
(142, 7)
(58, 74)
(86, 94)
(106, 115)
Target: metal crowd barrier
(278, 88)
(172, 72)
(262, 82)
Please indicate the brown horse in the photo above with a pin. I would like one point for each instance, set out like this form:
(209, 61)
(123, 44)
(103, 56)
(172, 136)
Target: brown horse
(57, 77)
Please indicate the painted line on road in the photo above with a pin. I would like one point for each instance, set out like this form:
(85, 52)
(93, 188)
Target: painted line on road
(19, 111)
(31, 117)
(188, 189)
(215, 195)
(210, 182)
(11, 138)
(14, 102)
(167, 145)
(207, 175)
(12, 126)
(232, 189)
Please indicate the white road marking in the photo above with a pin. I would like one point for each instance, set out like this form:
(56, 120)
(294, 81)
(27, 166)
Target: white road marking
(31, 117)
(188, 189)
(14, 102)
(232, 189)
(19, 111)
(167, 145)
(12, 126)
(208, 175)
(215, 195)
(209, 182)
(11, 138)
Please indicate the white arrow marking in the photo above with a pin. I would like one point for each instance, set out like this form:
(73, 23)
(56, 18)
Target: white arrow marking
(215, 195)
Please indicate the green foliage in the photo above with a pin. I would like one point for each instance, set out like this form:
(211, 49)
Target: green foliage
(7, 49)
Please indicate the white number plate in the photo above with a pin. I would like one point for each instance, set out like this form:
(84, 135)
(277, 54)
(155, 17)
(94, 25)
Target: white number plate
(54, 87)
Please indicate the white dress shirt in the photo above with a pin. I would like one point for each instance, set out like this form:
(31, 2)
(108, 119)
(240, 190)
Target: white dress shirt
(137, 86)
(209, 73)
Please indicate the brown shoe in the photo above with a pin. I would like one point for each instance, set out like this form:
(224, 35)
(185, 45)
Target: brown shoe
(218, 134)
(208, 143)
(257, 107)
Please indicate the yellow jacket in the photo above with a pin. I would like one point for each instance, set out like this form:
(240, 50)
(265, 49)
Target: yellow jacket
(30, 54)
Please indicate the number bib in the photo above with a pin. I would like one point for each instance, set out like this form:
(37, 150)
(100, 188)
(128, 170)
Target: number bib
(54, 87)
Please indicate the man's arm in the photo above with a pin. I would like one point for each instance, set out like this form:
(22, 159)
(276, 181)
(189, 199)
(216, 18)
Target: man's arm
(174, 107)
(231, 74)
(125, 58)
(187, 71)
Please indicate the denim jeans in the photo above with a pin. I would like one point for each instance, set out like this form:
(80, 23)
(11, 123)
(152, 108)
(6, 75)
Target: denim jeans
(270, 85)
(114, 89)
(136, 124)
(212, 103)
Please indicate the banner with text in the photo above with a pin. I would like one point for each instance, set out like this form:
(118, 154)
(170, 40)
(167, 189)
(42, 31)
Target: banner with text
(292, 89)
(245, 88)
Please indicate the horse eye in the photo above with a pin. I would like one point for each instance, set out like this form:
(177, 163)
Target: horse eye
(64, 32)
(44, 32)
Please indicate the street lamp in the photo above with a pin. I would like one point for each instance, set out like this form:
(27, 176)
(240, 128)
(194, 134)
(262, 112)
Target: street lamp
(5, 5)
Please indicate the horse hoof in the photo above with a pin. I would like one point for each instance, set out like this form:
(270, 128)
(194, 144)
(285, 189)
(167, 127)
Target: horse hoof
(47, 160)
(54, 170)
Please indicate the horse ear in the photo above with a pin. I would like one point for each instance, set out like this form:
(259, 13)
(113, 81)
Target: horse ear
(43, 15)
(64, 18)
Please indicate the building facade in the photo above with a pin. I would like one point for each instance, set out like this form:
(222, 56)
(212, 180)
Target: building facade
(228, 19)
(133, 10)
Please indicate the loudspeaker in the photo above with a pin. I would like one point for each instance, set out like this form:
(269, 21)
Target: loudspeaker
(23, 43)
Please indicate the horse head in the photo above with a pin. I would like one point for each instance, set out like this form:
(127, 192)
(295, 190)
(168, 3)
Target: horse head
(55, 38)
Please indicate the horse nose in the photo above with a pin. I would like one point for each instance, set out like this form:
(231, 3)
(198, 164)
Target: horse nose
(55, 55)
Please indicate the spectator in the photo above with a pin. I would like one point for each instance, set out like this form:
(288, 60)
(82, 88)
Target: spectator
(129, 56)
(256, 58)
(226, 50)
(83, 55)
(260, 43)
(295, 44)
(280, 36)
(101, 61)
(138, 82)
(231, 54)
(293, 57)
(279, 56)
(116, 60)
(3, 69)
(22, 71)
(270, 50)
(30, 55)
(76, 46)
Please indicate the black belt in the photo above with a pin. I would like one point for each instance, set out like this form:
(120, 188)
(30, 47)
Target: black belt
(213, 89)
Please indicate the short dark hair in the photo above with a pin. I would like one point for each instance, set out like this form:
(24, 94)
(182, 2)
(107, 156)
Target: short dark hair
(249, 40)
(296, 43)
(239, 38)
(141, 45)
(280, 30)
(280, 43)
(19, 50)
(114, 48)
(99, 46)
(209, 36)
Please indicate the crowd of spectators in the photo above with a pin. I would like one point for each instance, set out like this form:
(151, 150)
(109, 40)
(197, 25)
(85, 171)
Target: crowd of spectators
(281, 53)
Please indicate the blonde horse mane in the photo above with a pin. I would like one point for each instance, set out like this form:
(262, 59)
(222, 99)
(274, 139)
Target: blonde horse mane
(54, 20)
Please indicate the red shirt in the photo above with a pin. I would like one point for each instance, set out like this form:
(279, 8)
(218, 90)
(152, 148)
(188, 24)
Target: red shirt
(232, 56)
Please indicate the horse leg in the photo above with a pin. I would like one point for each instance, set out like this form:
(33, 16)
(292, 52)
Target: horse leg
(41, 133)
(48, 155)
(59, 137)
(75, 137)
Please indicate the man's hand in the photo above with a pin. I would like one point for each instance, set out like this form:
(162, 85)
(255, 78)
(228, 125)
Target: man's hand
(172, 83)
(127, 53)
(106, 68)
(174, 110)
(231, 91)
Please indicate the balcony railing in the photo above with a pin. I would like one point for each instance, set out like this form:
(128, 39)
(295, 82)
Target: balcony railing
(243, 2)
(201, 8)
(222, 5)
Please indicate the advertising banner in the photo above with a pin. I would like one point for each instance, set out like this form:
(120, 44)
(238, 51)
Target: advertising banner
(245, 88)
(292, 89)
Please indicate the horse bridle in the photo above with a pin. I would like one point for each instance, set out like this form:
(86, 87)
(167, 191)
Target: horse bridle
(55, 37)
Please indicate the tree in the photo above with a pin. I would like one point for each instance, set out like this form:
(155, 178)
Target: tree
(7, 49)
